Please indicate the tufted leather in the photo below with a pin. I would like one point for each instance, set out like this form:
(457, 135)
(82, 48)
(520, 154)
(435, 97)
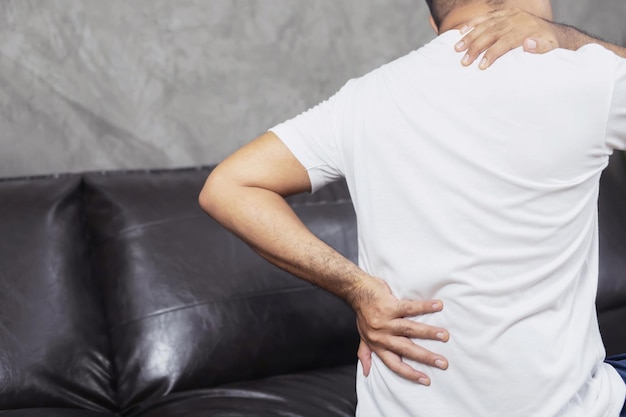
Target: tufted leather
(611, 299)
(53, 343)
(191, 306)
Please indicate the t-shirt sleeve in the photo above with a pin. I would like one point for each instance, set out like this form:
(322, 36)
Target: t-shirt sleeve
(314, 139)
(616, 132)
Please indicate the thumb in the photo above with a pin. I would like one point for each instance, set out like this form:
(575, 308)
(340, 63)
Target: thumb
(365, 356)
(538, 45)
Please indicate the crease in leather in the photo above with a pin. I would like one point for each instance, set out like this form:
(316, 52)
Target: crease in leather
(215, 301)
(329, 382)
(337, 202)
(147, 225)
(143, 226)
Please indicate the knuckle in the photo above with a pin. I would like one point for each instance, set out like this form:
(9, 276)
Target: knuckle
(427, 358)
(404, 352)
(470, 37)
(500, 25)
(414, 308)
(546, 46)
(376, 324)
(480, 45)
(376, 339)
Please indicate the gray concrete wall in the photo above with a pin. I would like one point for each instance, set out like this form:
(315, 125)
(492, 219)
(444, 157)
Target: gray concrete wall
(93, 84)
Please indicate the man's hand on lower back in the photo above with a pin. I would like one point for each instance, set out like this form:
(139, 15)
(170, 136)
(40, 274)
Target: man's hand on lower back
(385, 328)
(501, 31)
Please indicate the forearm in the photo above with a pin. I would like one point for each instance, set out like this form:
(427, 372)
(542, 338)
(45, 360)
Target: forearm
(264, 220)
(572, 38)
(267, 223)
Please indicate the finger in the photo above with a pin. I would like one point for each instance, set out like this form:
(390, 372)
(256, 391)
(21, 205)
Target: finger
(401, 345)
(412, 308)
(485, 42)
(395, 363)
(493, 24)
(470, 36)
(475, 47)
(510, 42)
(406, 348)
(478, 27)
(365, 356)
(417, 330)
(489, 29)
(530, 45)
(498, 49)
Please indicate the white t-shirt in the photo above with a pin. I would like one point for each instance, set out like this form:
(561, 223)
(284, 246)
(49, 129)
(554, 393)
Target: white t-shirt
(480, 188)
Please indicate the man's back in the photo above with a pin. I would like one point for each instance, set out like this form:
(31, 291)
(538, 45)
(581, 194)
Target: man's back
(479, 189)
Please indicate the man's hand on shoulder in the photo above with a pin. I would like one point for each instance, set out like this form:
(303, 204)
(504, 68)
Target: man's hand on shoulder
(385, 328)
(500, 31)
(503, 30)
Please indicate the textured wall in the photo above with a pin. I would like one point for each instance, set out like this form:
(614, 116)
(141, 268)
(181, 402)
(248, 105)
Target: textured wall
(92, 84)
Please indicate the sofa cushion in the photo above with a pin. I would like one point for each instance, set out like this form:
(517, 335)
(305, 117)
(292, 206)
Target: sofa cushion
(53, 340)
(611, 299)
(324, 392)
(190, 306)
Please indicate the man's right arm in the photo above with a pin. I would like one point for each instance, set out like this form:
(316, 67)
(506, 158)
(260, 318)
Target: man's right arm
(245, 194)
(498, 32)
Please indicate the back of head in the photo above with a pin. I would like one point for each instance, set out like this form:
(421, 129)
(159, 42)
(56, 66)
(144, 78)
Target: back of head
(439, 9)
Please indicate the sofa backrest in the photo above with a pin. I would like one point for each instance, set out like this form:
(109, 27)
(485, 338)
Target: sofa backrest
(191, 306)
(54, 349)
(611, 299)
(116, 288)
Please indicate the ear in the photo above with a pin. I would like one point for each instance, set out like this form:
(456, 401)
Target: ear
(433, 24)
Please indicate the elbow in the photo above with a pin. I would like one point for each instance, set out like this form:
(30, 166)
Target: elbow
(210, 194)
(204, 199)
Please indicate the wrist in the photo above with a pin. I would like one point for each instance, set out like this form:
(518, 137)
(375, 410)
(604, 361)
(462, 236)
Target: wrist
(569, 37)
(363, 292)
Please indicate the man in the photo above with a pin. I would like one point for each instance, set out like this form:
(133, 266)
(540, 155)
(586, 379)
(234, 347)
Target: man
(472, 188)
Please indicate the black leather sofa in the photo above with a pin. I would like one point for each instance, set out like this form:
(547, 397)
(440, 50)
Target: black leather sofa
(119, 296)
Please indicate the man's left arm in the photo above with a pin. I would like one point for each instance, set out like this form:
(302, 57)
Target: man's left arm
(499, 32)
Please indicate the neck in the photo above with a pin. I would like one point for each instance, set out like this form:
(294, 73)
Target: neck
(460, 16)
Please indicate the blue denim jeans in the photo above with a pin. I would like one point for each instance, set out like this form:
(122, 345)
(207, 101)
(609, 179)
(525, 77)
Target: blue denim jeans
(619, 363)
